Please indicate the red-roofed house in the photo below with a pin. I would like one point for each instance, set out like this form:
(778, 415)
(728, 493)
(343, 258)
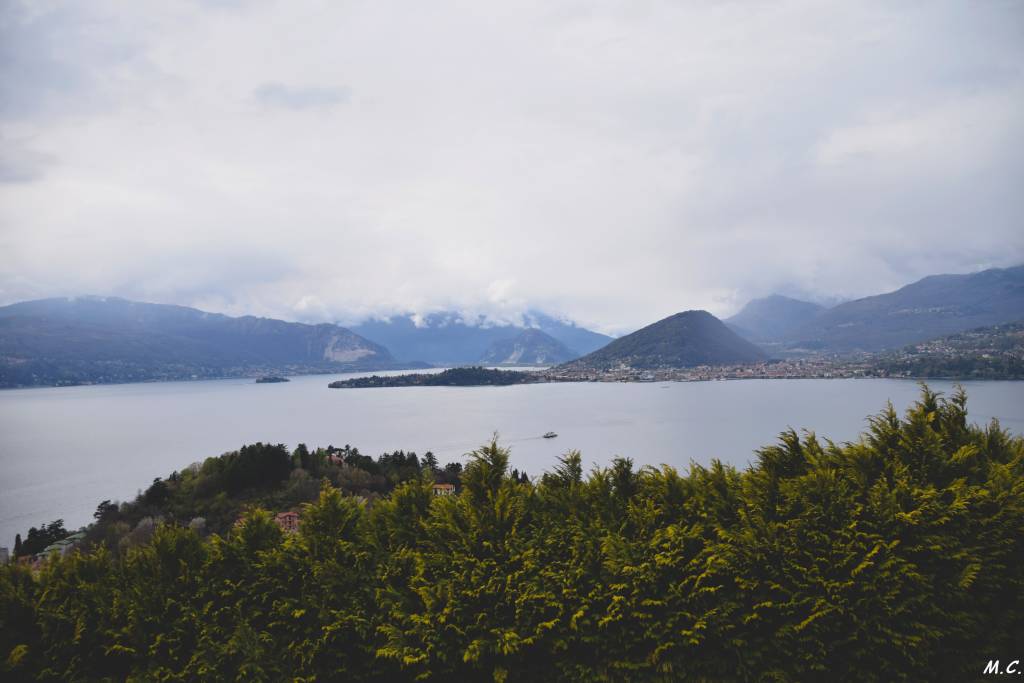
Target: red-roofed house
(288, 521)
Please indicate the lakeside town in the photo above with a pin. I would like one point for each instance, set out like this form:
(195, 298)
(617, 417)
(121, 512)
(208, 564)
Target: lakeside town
(931, 360)
(992, 353)
(803, 368)
(995, 352)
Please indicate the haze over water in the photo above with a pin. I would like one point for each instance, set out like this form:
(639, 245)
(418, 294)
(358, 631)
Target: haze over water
(64, 450)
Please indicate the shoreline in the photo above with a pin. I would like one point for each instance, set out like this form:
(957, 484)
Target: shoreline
(911, 378)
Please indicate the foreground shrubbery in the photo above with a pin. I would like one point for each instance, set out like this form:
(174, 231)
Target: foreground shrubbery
(898, 557)
(210, 496)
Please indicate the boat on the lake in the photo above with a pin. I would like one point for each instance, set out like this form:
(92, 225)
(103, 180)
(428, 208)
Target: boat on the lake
(550, 435)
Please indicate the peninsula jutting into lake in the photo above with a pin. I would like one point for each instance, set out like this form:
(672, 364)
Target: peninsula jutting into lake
(453, 377)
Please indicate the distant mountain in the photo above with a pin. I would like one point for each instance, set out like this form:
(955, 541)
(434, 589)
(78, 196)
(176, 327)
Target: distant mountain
(529, 347)
(936, 306)
(579, 339)
(448, 339)
(682, 340)
(772, 318)
(95, 340)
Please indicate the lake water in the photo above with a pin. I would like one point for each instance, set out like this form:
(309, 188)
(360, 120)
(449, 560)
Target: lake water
(63, 450)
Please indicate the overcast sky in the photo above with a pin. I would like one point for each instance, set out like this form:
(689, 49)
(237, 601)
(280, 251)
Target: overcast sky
(613, 162)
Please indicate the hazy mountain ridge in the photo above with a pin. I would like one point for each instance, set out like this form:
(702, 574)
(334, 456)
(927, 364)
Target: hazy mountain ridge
(445, 338)
(95, 340)
(773, 317)
(932, 307)
(686, 339)
(92, 339)
(529, 347)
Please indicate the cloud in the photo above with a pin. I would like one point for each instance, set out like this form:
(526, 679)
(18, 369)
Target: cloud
(60, 60)
(19, 163)
(610, 162)
(290, 97)
(959, 130)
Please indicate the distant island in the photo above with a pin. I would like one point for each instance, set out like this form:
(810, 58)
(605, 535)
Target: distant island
(454, 377)
(271, 379)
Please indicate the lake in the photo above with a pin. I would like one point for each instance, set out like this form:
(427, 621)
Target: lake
(63, 450)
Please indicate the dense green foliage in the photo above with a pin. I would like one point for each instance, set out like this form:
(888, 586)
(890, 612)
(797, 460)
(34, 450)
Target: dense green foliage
(898, 557)
(995, 352)
(39, 538)
(454, 377)
(926, 366)
(211, 496)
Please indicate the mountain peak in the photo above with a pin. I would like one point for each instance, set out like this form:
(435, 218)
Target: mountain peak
(448, 338)
(530, 347)
(772, 317)
(684, 339)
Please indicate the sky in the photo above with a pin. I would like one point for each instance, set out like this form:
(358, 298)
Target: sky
(609, 162)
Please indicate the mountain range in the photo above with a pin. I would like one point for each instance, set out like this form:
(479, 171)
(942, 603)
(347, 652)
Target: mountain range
(446, 338)
(93, 339)
(96, 340)
(932, 307)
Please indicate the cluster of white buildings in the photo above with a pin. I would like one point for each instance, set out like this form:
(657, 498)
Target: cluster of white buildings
(61, 547)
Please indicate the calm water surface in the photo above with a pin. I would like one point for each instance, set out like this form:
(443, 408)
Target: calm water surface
(64, 450)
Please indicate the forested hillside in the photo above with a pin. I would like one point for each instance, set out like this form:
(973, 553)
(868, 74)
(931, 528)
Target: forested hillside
(452, 377)
(98, 340)
(682, 340)
(898, 557)
(932, 307)
(995, 352)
